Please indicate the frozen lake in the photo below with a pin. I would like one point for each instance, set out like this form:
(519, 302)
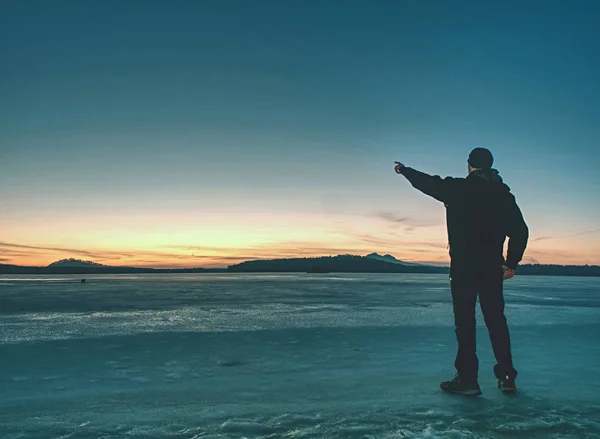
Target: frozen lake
(286, 356)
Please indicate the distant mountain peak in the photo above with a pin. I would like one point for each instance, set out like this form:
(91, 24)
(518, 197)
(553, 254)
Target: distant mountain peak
(387, 258)
(72, 262)
(377, 255)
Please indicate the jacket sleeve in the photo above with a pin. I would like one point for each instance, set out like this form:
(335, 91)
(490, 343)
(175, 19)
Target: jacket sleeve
(432, 185)
(518, 234)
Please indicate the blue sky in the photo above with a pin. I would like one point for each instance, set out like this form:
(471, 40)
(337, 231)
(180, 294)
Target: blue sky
(135, 126)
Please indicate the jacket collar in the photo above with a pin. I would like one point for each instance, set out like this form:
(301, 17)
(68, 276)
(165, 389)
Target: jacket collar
(486, 174)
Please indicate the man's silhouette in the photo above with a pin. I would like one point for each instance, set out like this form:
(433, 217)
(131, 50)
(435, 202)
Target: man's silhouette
(480, 213)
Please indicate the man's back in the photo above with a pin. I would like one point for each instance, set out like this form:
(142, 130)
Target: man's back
(481, 212)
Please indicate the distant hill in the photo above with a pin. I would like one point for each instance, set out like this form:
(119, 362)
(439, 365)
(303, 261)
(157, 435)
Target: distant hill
(371, 264)
(559, 270)
(71, 263)
(337, 264)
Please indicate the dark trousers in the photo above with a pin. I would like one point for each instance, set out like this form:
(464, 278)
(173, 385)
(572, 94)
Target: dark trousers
(464, 298)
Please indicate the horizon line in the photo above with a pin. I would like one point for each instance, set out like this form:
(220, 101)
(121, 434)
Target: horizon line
(224, 267)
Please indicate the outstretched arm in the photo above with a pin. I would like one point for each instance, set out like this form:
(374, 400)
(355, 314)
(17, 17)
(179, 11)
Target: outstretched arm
(432, 185)
(518, 234)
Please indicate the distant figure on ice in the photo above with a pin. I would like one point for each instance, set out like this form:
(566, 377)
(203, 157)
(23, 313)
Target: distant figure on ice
(480, 213)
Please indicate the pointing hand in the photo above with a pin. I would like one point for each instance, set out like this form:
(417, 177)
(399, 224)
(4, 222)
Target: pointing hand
(399, 167)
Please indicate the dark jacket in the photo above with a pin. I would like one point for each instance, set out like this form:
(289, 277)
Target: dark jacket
(480, 213)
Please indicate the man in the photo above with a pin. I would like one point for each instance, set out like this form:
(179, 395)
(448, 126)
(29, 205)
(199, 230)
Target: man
(480, 213)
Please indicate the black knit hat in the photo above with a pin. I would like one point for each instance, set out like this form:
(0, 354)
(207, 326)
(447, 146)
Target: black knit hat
(481, 158)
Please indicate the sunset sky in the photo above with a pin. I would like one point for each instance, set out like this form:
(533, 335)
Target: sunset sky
(204, 133)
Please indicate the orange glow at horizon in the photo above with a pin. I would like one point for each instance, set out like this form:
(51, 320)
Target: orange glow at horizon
(173, 255)
(212, 239)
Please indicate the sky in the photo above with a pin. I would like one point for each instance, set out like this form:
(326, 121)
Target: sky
(205, 133)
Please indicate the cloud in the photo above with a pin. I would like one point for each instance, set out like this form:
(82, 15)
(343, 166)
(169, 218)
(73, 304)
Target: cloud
(409, 222)
(390, 217)
(541, 238)
(437, 245)
(190, 247)
(549, 255)
(589, 232)
(15, 253)
(289, 248)
(223, 258)
(422, 250)
(7, 248)
(393, 240)
(72, 251)
(373, 240)
(109, 255)
(569, 235)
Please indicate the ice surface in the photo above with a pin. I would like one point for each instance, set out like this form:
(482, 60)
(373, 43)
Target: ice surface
(286, 356)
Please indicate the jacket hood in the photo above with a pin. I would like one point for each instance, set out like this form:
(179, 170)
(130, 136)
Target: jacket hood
(489, 175)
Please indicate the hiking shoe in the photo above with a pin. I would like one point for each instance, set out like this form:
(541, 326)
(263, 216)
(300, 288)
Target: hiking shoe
(507, 385)
(459, 386)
